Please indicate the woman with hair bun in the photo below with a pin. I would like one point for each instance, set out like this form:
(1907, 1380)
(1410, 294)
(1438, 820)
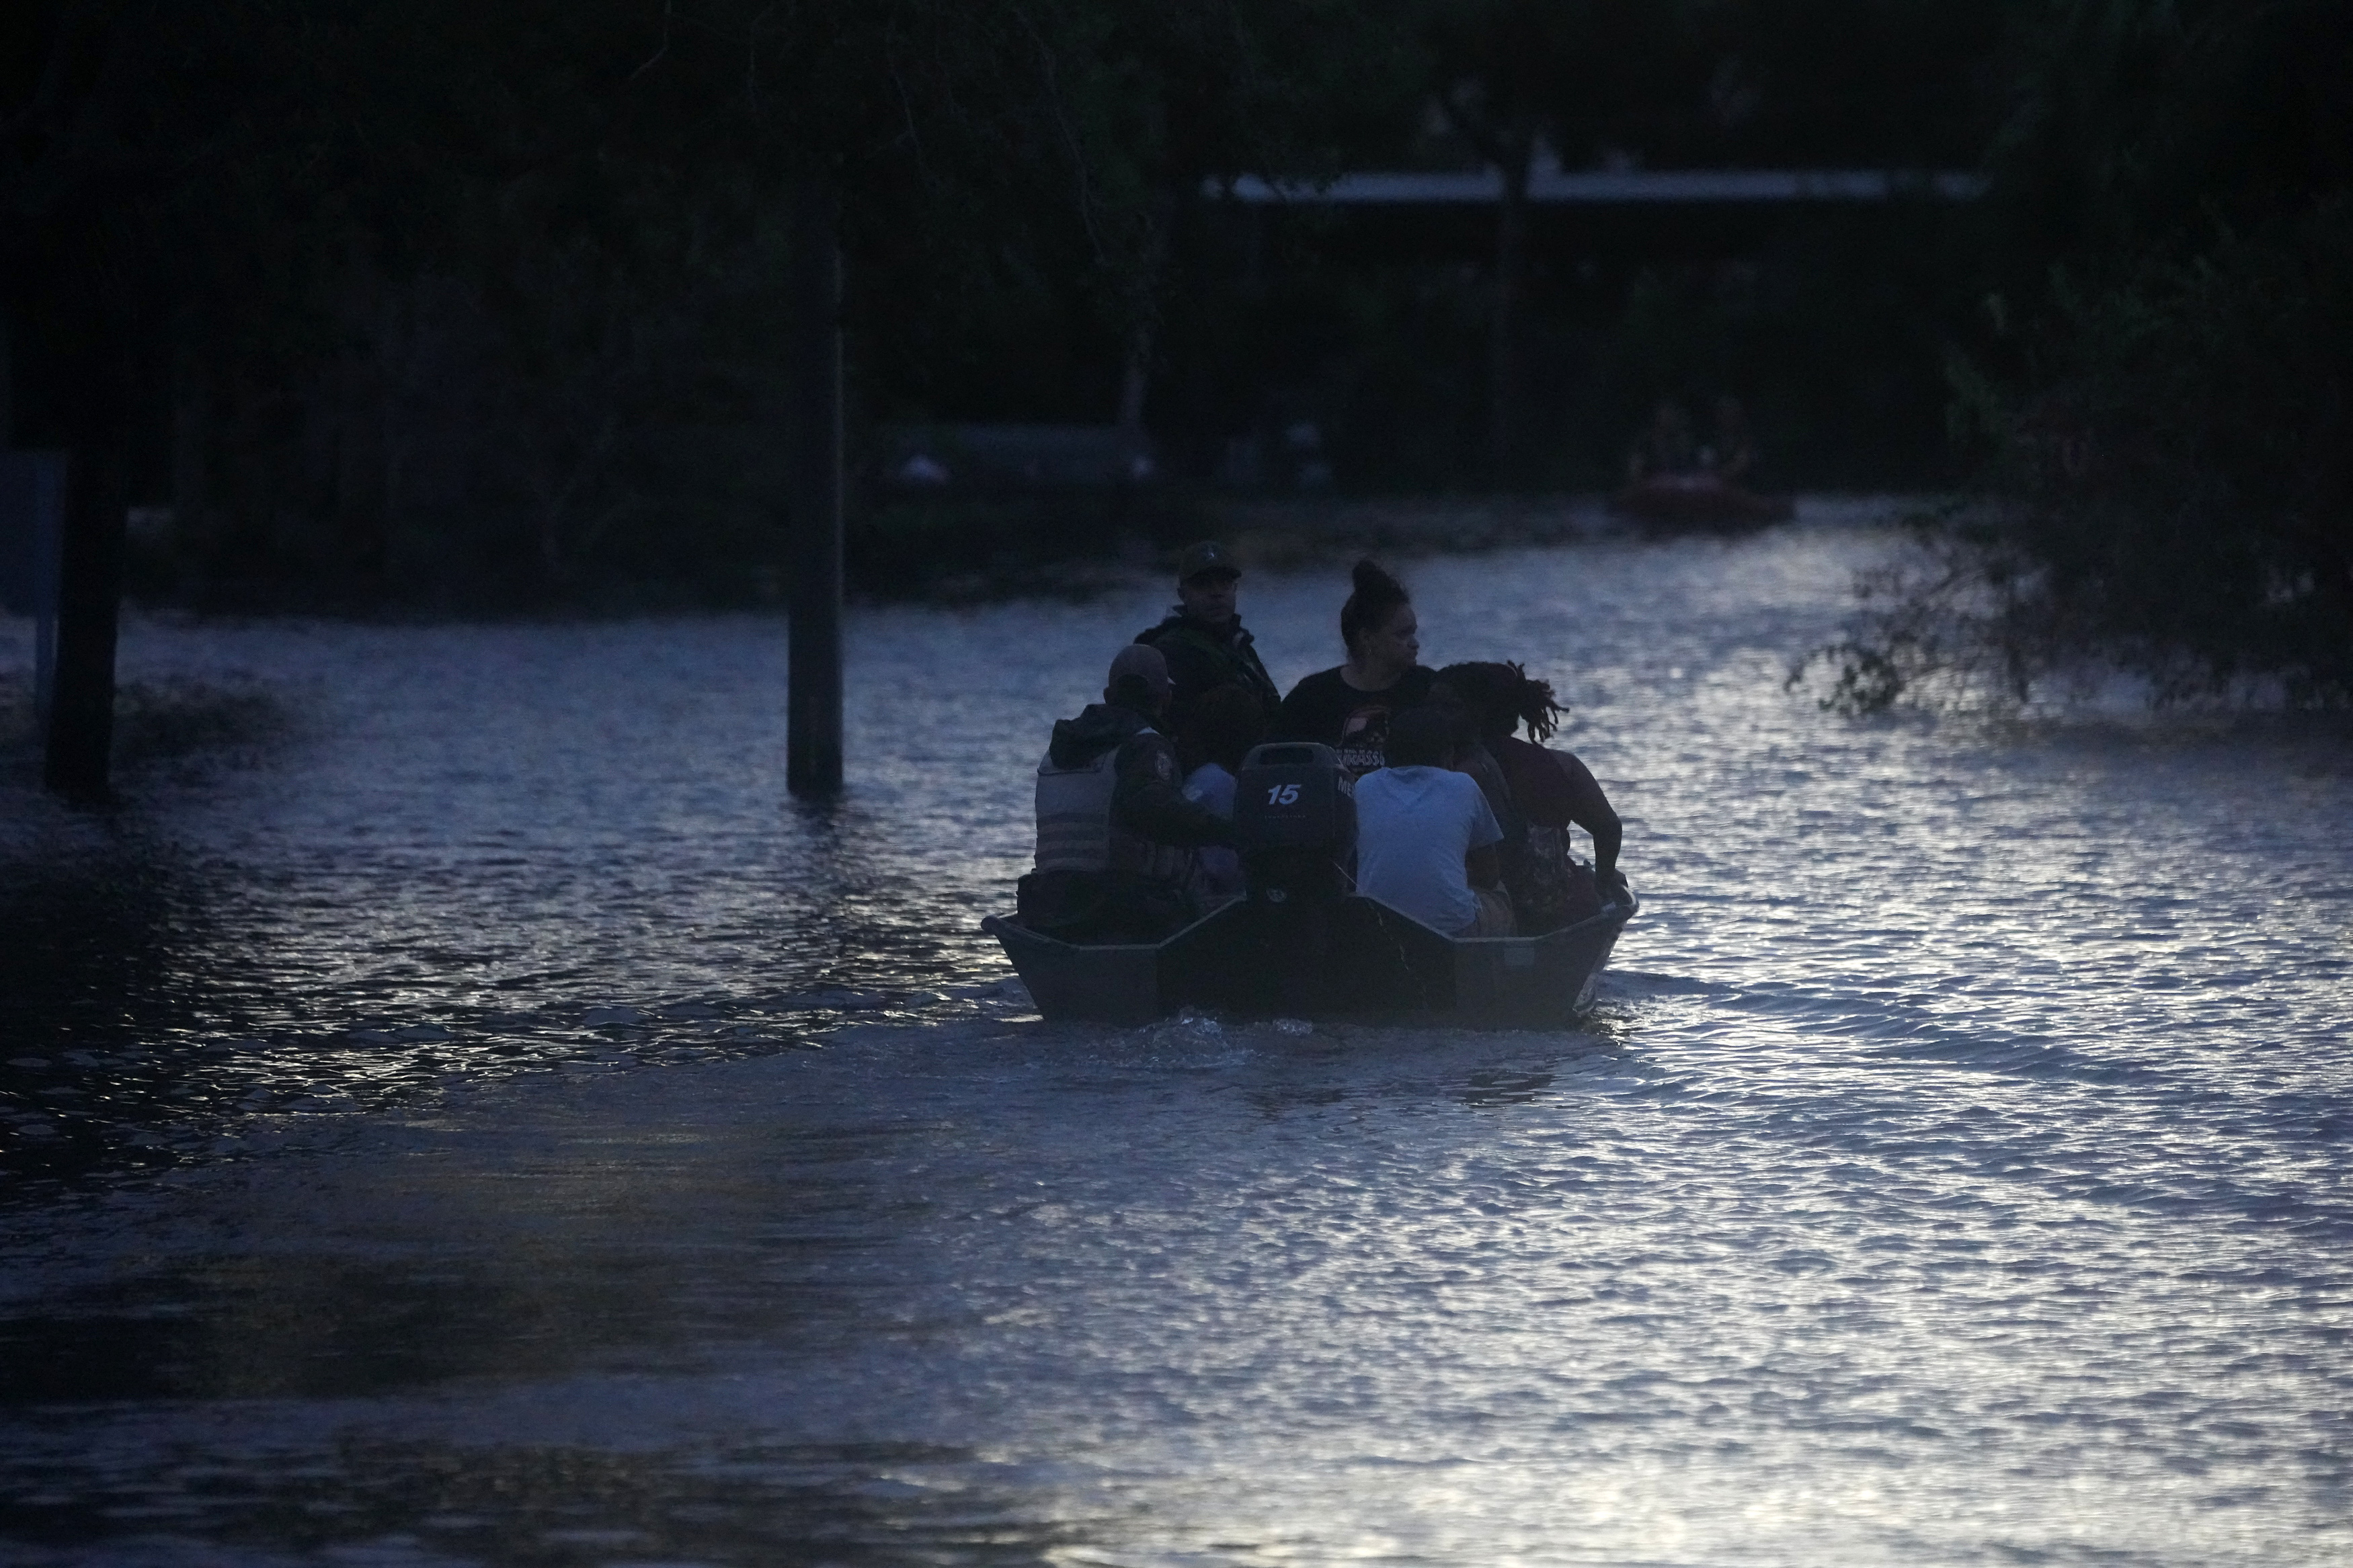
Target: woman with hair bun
(1348, 706)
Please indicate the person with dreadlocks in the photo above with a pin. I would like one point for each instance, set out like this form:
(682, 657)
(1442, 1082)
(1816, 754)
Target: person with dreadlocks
(1551, 791)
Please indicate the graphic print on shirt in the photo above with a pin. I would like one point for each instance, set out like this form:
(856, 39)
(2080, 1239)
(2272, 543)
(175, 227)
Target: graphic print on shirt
(1365, 738)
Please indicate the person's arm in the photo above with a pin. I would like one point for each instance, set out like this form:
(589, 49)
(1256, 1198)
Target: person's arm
(1148, 800)
(1591, 809)
(1480, 864)
(1269, 694)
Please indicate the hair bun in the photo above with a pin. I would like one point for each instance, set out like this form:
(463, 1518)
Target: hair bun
(1378, 597)
(1375, 583)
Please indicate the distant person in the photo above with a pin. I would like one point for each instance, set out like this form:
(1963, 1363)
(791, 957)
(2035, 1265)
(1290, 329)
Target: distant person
(1665, 446)
(1425, 836)
(1203, 639)
(1348, 707)
(1733, 455)
(1226, 723)
(1116, 833)
(1551, 790)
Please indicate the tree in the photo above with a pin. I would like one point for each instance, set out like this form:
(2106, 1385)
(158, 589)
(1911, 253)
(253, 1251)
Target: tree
(259, 194)
(1581, 80)
(2160, 390)
(108, 114)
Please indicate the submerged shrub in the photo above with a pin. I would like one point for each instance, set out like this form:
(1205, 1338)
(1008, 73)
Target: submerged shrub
(2164, 407)
(2177, 501)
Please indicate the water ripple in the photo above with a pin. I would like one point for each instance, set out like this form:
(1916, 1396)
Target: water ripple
(477, 1117)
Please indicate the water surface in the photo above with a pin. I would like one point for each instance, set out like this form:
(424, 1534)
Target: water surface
(463, 1113)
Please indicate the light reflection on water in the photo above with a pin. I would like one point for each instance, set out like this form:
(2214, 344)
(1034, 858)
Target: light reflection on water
(509, 1132)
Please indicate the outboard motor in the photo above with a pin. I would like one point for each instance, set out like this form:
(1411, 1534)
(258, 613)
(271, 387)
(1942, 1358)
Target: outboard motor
(1294, 821)
(1296, 826)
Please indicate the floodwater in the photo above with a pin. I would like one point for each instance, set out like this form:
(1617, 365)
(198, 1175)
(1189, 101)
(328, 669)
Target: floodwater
(458, 1111)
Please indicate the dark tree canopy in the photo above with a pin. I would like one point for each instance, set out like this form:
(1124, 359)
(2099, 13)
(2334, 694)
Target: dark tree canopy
(306, 256)
(2158, 377)
(478, 302)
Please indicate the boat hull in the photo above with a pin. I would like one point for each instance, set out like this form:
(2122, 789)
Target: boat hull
(1355, 959)
(1699, 501)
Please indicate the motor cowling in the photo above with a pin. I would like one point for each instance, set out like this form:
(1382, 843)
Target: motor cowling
(1294, 821)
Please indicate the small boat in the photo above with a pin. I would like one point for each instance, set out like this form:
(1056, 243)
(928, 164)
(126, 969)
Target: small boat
(1303, 943)
(1699, 501)
(1352, 957)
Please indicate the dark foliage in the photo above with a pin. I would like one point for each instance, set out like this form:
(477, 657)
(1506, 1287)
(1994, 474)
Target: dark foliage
(476, 306)
(2164, 390)
(480, 304)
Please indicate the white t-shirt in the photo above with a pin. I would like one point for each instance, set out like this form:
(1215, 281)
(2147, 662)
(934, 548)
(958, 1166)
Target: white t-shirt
(1220, 868)
(1213, 787)
(1414, 824)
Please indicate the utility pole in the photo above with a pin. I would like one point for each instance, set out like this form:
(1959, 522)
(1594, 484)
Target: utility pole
(1504, 327)
(91, 396)
(80, 739)
(32, 512)
(813, 497)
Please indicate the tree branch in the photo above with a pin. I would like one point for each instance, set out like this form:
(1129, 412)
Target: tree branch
(1070, 137)
(669, 12)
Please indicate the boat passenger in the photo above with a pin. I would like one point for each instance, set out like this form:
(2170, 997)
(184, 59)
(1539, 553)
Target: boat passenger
(1425, 837)
(1116, 833)
(1203, 639)
(1347, 707)
(1225, 724)
(1551, 790)
(1472, 758)
(1665, 446)
(1733, 455)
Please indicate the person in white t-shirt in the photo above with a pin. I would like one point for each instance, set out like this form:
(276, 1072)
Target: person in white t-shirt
(1225, 723)
(1425, 834)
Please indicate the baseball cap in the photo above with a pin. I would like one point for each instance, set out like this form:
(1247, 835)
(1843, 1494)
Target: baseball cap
(1205, 558)
(1142, 661)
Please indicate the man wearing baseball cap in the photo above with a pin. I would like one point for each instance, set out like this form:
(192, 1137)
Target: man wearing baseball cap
(1203, 639)
(1115, 833)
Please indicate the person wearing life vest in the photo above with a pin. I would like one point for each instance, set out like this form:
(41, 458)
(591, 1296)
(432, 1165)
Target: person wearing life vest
(1203, 639)
(1116, 833)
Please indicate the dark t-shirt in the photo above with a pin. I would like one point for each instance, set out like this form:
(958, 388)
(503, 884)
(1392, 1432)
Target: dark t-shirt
(1552, 789)
(1325, 709)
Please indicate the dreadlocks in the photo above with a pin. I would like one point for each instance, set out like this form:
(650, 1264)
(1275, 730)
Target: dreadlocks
(1504, 696)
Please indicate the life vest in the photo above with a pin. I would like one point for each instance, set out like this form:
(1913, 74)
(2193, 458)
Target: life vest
(1075, 829)
(1074, 813)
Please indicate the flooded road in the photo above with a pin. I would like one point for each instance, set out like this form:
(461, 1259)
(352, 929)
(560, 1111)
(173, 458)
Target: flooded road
(458, 1111)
